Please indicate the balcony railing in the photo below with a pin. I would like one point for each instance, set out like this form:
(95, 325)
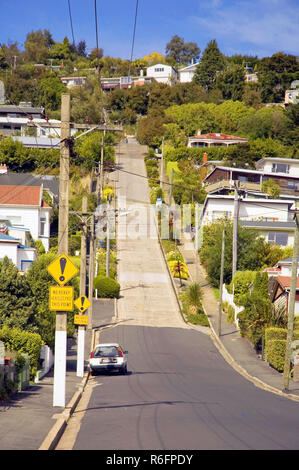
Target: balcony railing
(228, 184)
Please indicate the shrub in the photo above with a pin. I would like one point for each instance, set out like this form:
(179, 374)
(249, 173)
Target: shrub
(241, 282)
(106, 287)
(198, 319)
(23, 342)
(273, 333)
(230, 314)
(275, 352)
(156, 192)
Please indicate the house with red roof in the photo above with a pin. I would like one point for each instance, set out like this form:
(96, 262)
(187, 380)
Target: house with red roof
(281, 292)
(214, 139)
(23, 207)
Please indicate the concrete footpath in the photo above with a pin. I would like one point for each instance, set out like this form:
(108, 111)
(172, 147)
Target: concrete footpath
(238, 351)
(29, 421)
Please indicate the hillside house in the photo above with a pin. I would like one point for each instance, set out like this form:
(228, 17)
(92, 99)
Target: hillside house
(162, 73)
(23, 207)
(222, 180)
(271, 218)
(186, 74)
(281, 292)
(21, 255)
(214, 139)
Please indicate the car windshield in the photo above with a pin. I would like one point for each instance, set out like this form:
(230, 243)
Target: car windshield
(107, 351)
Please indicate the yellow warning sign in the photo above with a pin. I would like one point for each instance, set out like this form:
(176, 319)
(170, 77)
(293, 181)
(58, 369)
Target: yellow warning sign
(82, 303)
(62, 269)
(61, 298)
(81, 319)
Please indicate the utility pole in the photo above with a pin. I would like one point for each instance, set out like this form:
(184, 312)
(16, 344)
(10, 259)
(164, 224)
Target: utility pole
(221, 282)
(108, 239)
(81, 328)
(235, 230)
(102, 168)
(171, 187)
(63, 216)
(286, 370)
(91, 271)
(162, 165)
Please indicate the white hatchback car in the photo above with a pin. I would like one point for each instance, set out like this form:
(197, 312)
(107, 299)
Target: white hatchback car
(108, 356)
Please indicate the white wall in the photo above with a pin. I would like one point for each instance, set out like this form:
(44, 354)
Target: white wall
(9, 250)
(217, 208)
(30, 218)
(294, 167)
(162, 73)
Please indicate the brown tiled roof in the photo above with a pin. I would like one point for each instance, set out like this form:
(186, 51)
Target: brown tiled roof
(20, 195)
(218, 136)
(285, 281)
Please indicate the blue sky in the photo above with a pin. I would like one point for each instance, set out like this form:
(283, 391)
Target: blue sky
(254, 27)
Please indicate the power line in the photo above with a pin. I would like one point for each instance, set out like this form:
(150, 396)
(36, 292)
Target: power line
(96, 25)
(71, 21)
(133, 39)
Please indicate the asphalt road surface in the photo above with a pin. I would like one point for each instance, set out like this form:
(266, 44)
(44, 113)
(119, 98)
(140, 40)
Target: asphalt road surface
(179, 392)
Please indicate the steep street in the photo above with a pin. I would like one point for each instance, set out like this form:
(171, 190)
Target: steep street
(179, 392)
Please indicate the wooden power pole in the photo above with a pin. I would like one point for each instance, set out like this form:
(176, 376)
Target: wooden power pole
(291, 310)
(81, 328)
(63, 217)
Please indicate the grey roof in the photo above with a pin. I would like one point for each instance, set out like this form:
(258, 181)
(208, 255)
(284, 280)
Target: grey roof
(38, 142)
(21, 109)
(267, 224)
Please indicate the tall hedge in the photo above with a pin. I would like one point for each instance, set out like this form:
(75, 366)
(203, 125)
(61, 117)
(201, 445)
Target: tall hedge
(275, 346)
(23, 342)
(275, 351)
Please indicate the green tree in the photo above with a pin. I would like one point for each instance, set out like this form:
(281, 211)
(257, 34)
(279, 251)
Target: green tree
(37, 45)
(87, 150)
(231, 82)
(252, 250)
(212, 62)
(276, 74)
(61, 50)
(271, 188)
(50, 90)
(181, 52)
(17, 302)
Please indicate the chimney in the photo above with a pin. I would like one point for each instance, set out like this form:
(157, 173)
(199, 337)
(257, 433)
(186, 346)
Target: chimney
(199, 132)
(205, 158)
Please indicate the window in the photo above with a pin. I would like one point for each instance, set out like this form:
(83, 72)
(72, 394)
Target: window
(25, 265)
(293, 185)
(280, 168)
(278, 238)
(42, 225)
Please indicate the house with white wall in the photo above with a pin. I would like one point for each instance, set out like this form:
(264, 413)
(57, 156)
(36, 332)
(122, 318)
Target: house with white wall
(275, 165)
(23, 207)
(163, 73)
(21, 255)
(271, 218)
(186, 74)
(214, 139)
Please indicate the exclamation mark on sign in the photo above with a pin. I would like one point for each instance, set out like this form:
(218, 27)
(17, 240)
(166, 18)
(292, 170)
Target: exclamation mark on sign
(62, 262)
(82, 303)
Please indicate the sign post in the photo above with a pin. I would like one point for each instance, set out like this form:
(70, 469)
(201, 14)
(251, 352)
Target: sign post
(61, 300)
(82, 303)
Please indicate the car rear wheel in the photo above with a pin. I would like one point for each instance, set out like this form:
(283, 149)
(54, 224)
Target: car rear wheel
(123, 370)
